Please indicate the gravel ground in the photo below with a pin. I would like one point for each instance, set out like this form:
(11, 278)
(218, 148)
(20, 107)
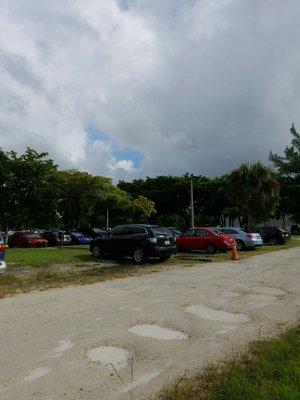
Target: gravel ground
(126, 338)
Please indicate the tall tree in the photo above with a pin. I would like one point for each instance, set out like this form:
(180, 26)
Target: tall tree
(255, 188)
(288, 167)
(28, 193)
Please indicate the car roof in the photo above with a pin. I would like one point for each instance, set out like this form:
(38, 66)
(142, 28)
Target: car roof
(142, 225)
(229, 227)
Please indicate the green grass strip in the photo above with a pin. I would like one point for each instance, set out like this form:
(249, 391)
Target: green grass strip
(270, 370)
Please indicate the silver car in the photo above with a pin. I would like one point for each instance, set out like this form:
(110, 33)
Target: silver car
(2, 254)
(244, 240)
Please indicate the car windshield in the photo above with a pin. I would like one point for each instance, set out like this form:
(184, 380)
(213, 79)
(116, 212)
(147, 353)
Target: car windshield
(161, 231)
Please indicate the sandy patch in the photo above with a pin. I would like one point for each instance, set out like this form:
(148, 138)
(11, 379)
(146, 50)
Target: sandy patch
(108, 356)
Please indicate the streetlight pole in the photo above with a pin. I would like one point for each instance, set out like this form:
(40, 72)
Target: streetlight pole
(192, 203)
(107, 218)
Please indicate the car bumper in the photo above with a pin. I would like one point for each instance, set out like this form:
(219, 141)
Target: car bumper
(158, 251)
(254, 243)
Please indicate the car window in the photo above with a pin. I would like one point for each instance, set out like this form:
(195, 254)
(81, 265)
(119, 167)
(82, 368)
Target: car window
(175, 231)
(188, 233)
(218, 232)
(159, 231)
(119, 230)
(231, 232)
(31, 235)
(201, 233)
(140, 230)
(98, 231)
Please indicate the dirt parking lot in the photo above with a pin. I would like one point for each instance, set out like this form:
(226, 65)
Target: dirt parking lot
(127, 338)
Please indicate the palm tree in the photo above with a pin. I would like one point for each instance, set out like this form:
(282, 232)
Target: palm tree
(254, 187)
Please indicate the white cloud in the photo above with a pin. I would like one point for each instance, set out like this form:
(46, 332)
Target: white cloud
(194, 86)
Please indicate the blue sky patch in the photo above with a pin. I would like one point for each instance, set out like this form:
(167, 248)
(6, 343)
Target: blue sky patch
(120, 153)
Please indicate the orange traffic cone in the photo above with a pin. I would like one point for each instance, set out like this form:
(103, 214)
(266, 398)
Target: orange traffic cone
(234, 253)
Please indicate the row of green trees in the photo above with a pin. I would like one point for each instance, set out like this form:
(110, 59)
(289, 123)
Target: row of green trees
(252, 193)
(34, 193)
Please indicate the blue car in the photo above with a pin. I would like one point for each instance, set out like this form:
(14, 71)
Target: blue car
(80, 238)
(244, 240)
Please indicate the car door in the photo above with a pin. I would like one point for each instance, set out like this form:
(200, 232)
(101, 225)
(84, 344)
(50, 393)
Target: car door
(201, 239)
(133, 238)
(19, 240)
(185, 241)
(114, 244)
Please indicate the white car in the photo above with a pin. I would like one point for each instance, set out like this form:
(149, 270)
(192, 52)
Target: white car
(2, 255)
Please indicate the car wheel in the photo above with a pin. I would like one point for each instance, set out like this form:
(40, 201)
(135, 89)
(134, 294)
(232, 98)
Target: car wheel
(96, 251)
(273, 242)
(139, 256)
(210, 249)
(240, 245)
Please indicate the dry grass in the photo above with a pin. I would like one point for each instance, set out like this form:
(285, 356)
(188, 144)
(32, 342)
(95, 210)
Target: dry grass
(41, 269)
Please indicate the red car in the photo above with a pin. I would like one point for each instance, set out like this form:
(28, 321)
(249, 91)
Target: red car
(26, 239)
(208, 239)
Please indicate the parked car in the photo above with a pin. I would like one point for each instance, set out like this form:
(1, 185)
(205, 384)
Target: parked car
(94, 232)
(209, 239)
(244, 240)
(176, 232)
(26, 239)
(274, 235)
(53, 238)
(79, 238)
(137, 241)
(2, 255)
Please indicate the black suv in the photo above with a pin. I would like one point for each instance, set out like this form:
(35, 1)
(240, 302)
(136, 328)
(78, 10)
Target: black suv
(274, 235)
(137, 241)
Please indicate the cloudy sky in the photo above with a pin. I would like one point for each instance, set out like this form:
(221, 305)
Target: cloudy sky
(129, 88)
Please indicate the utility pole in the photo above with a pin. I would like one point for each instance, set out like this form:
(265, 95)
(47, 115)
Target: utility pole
(192, 203)
(107, 218)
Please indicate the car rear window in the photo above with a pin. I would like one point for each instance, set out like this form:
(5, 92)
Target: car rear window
(161, 231)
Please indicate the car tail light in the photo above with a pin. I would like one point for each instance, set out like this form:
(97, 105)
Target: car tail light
(3, 247)
(152, 240)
